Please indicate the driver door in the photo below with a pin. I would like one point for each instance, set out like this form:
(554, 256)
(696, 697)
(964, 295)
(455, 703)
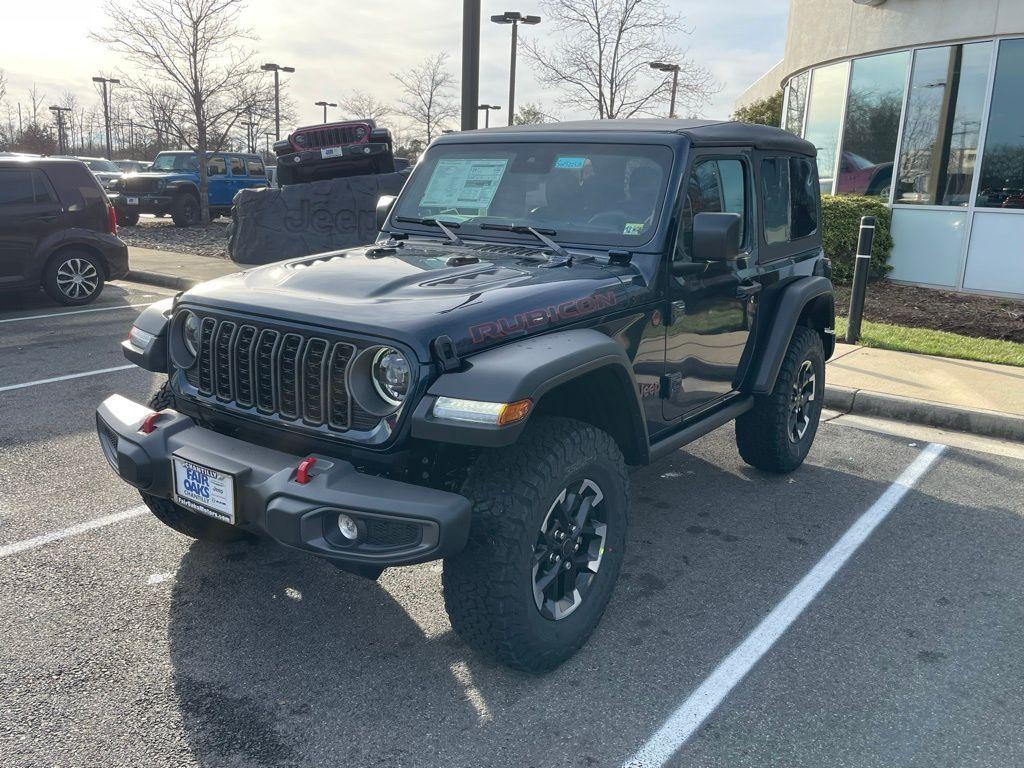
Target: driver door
(707, 327)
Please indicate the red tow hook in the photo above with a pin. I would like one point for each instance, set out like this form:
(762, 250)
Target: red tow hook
(149, 423)
(302, 475)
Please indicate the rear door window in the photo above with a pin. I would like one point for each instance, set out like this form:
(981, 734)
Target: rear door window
(16, 186)
(256, 167)
(216, 166)
(237, 166)
(42, 189)
(789, 199)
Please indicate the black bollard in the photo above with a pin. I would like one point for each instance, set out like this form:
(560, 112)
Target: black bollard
(860, 278)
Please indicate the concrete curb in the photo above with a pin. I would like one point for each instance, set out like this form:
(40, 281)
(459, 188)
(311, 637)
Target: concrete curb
(976, 421)
(161, 280)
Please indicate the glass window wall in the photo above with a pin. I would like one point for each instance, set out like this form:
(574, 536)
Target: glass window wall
(824, 112)
(796, 103)
(943, 122)
(1002, 164)
(872, 125)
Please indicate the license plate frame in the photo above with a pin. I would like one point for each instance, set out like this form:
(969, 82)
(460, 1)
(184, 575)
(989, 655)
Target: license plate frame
(328, 153)
(218, 501)
(131, 201)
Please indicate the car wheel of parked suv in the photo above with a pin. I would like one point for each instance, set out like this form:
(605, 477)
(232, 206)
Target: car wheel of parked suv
(545, 545)
(128, 220)
(173, 515)
(776, 434)
(185, 210)
(73, 277)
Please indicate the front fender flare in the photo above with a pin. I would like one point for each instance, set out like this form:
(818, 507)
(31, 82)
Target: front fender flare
(527, 368)
(154, 320)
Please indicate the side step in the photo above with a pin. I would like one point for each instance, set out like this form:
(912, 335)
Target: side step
(706, 424)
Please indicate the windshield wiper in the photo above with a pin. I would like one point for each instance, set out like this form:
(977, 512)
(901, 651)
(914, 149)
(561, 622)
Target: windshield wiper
(428, 222)
(540, 234)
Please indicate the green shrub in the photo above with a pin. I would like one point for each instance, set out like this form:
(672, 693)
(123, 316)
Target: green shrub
(840, 227)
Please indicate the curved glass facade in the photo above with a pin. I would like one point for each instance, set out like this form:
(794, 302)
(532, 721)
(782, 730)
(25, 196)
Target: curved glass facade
(938, 132)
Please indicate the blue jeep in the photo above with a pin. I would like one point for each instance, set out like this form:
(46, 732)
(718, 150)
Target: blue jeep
(171, 186)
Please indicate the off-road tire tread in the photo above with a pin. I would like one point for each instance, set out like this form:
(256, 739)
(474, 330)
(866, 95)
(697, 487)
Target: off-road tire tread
(176, 517)
(178, 213)
(761, 434)
(480, 590)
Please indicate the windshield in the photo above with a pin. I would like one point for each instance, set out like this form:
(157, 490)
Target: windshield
(100, 165)
(175, 161)
(602, 194)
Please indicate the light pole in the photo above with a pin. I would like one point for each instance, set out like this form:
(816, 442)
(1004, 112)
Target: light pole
(674, 69)
(325, 105)
(277, 69)
(515, 18)
(106, 107)
(58, 113)
(266, 151)
(250, 127)
(486, 109)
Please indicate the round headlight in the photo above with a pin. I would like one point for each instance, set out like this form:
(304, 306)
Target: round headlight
(360, 133)
(300, 139)
(191, 331)
(391, 375)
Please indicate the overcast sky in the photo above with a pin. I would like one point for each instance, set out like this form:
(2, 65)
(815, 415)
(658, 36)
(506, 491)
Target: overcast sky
(338, 46)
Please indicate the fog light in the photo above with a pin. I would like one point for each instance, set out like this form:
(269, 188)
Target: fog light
(348, 527)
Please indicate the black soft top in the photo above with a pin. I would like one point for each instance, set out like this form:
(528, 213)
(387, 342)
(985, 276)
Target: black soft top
(701, 133)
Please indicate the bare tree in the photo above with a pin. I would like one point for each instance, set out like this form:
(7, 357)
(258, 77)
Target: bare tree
(362, 105)
(602, 59)
(428, 95)
(36, 101)
(195, 47)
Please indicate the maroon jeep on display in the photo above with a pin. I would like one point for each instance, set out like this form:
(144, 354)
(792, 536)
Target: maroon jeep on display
(334, 150)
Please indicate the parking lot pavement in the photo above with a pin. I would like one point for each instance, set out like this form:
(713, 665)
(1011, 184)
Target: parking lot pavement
(129, 645)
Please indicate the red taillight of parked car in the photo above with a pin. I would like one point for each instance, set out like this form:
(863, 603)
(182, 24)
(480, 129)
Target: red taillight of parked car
(111, 219)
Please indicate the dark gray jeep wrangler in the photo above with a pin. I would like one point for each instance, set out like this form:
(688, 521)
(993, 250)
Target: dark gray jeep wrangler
(546, 307)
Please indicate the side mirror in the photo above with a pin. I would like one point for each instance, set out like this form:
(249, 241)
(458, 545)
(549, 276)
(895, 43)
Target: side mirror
(384, 205)
(716, 236)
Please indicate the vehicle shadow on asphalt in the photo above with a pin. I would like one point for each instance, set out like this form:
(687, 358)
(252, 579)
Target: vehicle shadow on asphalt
(113, 295)
(280, 659)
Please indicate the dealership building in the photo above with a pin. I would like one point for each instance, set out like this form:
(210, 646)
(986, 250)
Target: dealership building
(919, 103)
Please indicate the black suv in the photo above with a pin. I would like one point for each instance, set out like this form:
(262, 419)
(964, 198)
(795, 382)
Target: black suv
(546, 307)
(57, 230)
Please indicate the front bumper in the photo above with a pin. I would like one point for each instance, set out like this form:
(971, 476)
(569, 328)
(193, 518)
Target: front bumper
(145, 202)
(307, 157)
(399, 523)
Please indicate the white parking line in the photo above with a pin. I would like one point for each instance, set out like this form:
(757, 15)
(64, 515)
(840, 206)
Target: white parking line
(74, 312)
(685, 721)
(47, 538)
(11, 387)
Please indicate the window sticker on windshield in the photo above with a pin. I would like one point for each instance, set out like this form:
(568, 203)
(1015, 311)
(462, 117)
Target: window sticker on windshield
(458, 182)
(570, 162)
(633, 228)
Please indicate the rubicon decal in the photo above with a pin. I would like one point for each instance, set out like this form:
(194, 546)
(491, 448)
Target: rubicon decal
(521, 322)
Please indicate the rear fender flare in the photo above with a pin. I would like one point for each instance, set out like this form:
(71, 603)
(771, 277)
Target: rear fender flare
(806, 300)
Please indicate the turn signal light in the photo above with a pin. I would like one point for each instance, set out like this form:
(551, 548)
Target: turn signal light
(513, 412)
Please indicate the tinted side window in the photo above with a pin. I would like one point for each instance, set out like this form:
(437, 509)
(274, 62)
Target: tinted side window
(775, 199)
(16, 186)
(804, 190)
(789, 188)
(216, 166)
(42, 188)
(256, 168)
(237, 166)
(715, 186)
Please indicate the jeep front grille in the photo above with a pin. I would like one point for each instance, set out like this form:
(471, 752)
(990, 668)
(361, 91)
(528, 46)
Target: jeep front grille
(140, 184)
(293, 375)
(332, 136)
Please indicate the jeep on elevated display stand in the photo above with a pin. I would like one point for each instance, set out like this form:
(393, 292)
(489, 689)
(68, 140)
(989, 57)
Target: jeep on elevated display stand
(334, 150)
(546, 307)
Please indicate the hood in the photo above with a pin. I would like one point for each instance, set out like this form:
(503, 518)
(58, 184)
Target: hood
(417, 292)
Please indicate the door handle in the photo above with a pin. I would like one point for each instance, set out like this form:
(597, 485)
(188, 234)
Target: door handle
(746, 291)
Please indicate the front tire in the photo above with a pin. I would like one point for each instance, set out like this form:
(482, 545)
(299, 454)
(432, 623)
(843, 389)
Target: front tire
(529, 588)
(73, 278)
(172, 515)
(776, 434)
(185, 210)
(127, 219)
